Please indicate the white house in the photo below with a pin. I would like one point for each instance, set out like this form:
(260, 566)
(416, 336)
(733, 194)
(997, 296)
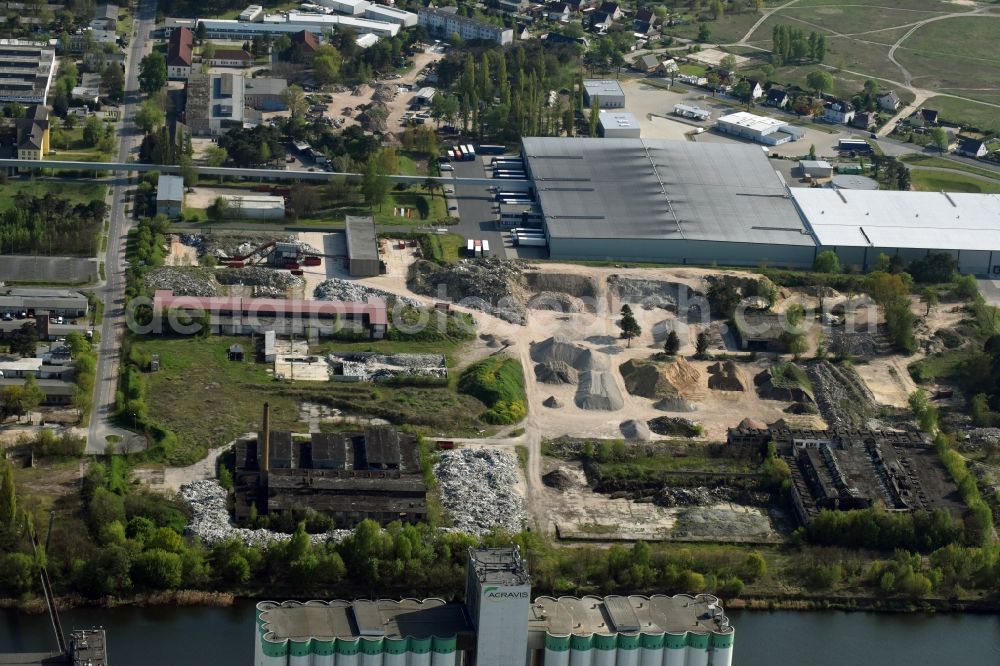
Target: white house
(838, 111)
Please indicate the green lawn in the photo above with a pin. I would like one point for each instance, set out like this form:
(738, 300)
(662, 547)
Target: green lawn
(938, 181)
(943, 365)
(945, 163)
(985, 118)
(957, 53)
(83, 192)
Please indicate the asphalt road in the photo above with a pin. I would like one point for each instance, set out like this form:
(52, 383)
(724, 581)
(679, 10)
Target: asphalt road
(476, 207)
(112, 292)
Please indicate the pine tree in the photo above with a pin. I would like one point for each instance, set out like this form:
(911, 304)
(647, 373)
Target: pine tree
(672, 344)
(628, 324)
(701, 345)
(595, 113)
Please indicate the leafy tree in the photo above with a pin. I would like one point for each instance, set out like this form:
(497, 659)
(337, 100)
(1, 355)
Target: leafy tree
(718, 9)
(31, 395)
(704, 32)
(744, 93)
(8, 498)
(327, 61)
(157, 569)
(796, 343)
(929, 296)
(672, 344)
(935, 268)
(940, 138)
(93, 131)
(728, 63)
(17, 574)
(629, 326)
(827, 262)
(152, 72)
(150, 115)
(295, 99)
(112, 83)
(10, 398)
(595, 114)
(374, 185)
(820, 81)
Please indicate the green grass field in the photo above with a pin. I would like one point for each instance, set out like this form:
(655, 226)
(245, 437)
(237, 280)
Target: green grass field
(939, 181)
(945, 163)
(207, 400)
(83, 192)
(958, 53)
(970, 114)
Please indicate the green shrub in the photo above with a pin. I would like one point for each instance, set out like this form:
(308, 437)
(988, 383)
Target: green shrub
(498, 382)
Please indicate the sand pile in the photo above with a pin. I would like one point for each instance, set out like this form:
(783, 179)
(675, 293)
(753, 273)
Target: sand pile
(657, 381)
(726, 377)
(752, 424)
(633, 429)
(558, 479)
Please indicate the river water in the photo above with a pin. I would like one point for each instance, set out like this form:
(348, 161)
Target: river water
(224, 636)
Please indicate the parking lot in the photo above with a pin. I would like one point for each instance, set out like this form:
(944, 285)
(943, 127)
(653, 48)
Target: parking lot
(653, 108)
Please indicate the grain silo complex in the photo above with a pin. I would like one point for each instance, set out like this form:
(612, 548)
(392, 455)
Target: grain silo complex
(498, 625)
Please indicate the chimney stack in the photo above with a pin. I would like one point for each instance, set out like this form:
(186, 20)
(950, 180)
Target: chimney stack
(265, 449)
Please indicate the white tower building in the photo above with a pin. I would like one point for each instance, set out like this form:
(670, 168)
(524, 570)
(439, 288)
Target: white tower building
(498, 594)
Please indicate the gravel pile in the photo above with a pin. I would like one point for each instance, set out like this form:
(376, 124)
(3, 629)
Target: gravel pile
(196, 241)
(210, 519)
(477, 489)
(650, 293)
(182, 281)
(384, 92)
(258, 276)
(843, 398)
(492, 285)
(844, 343)
(355, 292)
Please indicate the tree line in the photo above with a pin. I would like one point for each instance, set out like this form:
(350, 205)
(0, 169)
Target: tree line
(792, 46)
(51, 225)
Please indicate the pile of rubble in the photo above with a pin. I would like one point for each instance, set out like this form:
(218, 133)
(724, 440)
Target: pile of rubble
(210, 519)
(649, 294)
(355, 292)
(277, 282)
(197, 241)
(670, 496)
(384, 92)
(843, 398)
(224, 244)
(674, 426)
(492, 285)
(477, 489)
(373, 367)
(182, 281)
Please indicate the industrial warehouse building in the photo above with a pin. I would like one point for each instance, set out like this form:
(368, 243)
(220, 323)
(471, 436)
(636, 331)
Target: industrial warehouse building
(682, 202)
(617, 125)
(608, 92)
(498, 625)
(768, 131)
(670, 201)
(861, 224)
(362, 246)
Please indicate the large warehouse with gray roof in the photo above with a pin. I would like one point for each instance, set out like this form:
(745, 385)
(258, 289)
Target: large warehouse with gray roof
(684, 202)
(669, 201)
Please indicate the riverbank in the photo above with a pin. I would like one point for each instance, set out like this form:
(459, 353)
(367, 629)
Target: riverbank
(790, 602)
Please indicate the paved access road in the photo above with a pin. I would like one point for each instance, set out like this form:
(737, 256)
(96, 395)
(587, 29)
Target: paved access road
(112, 292)
(476, 207)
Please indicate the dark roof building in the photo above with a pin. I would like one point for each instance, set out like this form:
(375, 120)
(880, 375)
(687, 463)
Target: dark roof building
(362, 246)
(179, 54)
(305, 41)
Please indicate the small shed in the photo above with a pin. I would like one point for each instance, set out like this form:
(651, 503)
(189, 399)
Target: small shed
(816, 169)
(618, 125)
(154, 363)
(169, 196)
(362, 246)
(236, 353)
(270, 348)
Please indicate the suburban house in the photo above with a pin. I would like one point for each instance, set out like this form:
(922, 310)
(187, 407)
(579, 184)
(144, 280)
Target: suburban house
(231, 58)
(33, 133)
(864, 120)
(777, 98)
(645, 22)
(600, 21)
(179, 56)
(667, 67)
(265, 94)
(170, 196)
(971, 147)
(838, 111)
(756, 91)
(105, 18)
(929, 117)
(888, 101)
(648, 63)
(558, 11)
(611, 9)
